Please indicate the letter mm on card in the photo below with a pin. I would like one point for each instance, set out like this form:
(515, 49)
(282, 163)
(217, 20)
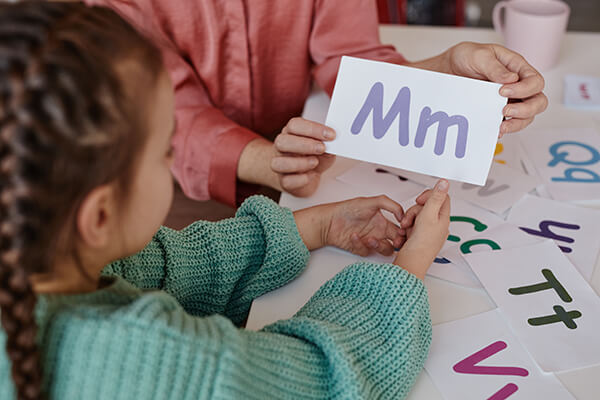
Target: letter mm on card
(422, 121)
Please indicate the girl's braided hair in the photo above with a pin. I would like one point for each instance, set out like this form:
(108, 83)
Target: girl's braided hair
(68, 123)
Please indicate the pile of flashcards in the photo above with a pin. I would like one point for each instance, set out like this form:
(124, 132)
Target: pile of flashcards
(523, 239)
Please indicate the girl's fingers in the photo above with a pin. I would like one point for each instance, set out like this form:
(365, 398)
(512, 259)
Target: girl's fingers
(438, 199)
(422, 198)
(410, 216)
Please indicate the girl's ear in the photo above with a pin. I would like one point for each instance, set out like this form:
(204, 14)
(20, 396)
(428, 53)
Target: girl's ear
(95, 217)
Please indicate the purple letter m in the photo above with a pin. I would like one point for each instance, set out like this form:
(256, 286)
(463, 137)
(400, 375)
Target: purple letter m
(444, 122)
(374, 102)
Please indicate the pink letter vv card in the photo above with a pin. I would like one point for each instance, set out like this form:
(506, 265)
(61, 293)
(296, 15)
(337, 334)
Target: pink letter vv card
(479, 358)
(422, 121)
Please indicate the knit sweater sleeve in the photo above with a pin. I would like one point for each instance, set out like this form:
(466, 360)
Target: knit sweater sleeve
(364, 334)
(221, 267)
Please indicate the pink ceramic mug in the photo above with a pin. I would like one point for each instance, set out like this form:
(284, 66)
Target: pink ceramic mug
(533, 28)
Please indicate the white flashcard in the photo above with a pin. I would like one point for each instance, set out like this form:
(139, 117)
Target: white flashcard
(383, 180)
(504, 236)
(409, 118)
(316, 106)
(550, 307)
(479, 358)
(466, 221)
(509, 152)
(582, 92)
(576, 230)
(504, 187)
(333, 191)
(456, 272)
(567, 160)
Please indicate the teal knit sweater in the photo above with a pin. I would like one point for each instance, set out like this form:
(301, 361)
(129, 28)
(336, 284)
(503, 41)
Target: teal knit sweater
(167, 325)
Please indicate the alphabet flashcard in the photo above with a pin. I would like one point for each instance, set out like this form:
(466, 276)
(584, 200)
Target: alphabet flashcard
(504, 236)
(504, 187)
(466, 221)
(550, 307)
(568, 160)
(576, 230)
(479, 358)
(409, 118)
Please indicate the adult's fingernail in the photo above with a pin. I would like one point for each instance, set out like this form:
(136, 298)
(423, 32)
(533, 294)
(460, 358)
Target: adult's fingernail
(442, 185)
(506, 92)
(508, 111)
(320, 148)
(329, 134)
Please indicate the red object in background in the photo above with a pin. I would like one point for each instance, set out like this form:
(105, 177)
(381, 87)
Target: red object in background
(460, 13)
(397, 14)
(387, 15)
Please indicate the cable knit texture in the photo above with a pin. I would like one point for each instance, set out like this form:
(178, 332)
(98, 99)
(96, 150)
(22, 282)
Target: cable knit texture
(165, 328)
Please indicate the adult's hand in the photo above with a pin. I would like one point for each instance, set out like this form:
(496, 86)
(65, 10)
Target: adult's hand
(300, 157)
(522, 83)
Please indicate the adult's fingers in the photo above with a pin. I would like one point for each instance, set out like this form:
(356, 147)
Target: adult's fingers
(530, 80)
(296, 181)
(528, 108)
(383, 202)
(395, 234)
(303, 127)
(290, 164)
(358, 247)
(385, 248)
(514, 125)
(524, 88)
(293, 144)
(488, 65)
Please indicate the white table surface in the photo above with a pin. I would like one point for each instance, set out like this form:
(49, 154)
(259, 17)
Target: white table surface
(580, 55)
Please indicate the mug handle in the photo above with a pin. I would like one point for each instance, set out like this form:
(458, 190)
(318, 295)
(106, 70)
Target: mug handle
(497, 18)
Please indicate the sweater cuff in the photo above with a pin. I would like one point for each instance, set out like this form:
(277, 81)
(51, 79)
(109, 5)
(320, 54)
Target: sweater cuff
(286, 255)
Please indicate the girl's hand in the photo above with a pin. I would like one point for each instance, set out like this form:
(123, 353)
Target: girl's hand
(358, 226)
(426, 225)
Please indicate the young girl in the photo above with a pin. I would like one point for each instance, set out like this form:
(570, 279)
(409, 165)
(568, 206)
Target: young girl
(86, 117)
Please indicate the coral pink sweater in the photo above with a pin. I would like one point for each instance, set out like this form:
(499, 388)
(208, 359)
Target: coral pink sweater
(243, 68)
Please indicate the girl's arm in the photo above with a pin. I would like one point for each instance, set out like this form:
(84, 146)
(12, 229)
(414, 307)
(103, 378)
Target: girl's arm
(364, 334)
(221, 267)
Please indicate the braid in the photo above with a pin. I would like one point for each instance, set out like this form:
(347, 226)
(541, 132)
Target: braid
(62, 133)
